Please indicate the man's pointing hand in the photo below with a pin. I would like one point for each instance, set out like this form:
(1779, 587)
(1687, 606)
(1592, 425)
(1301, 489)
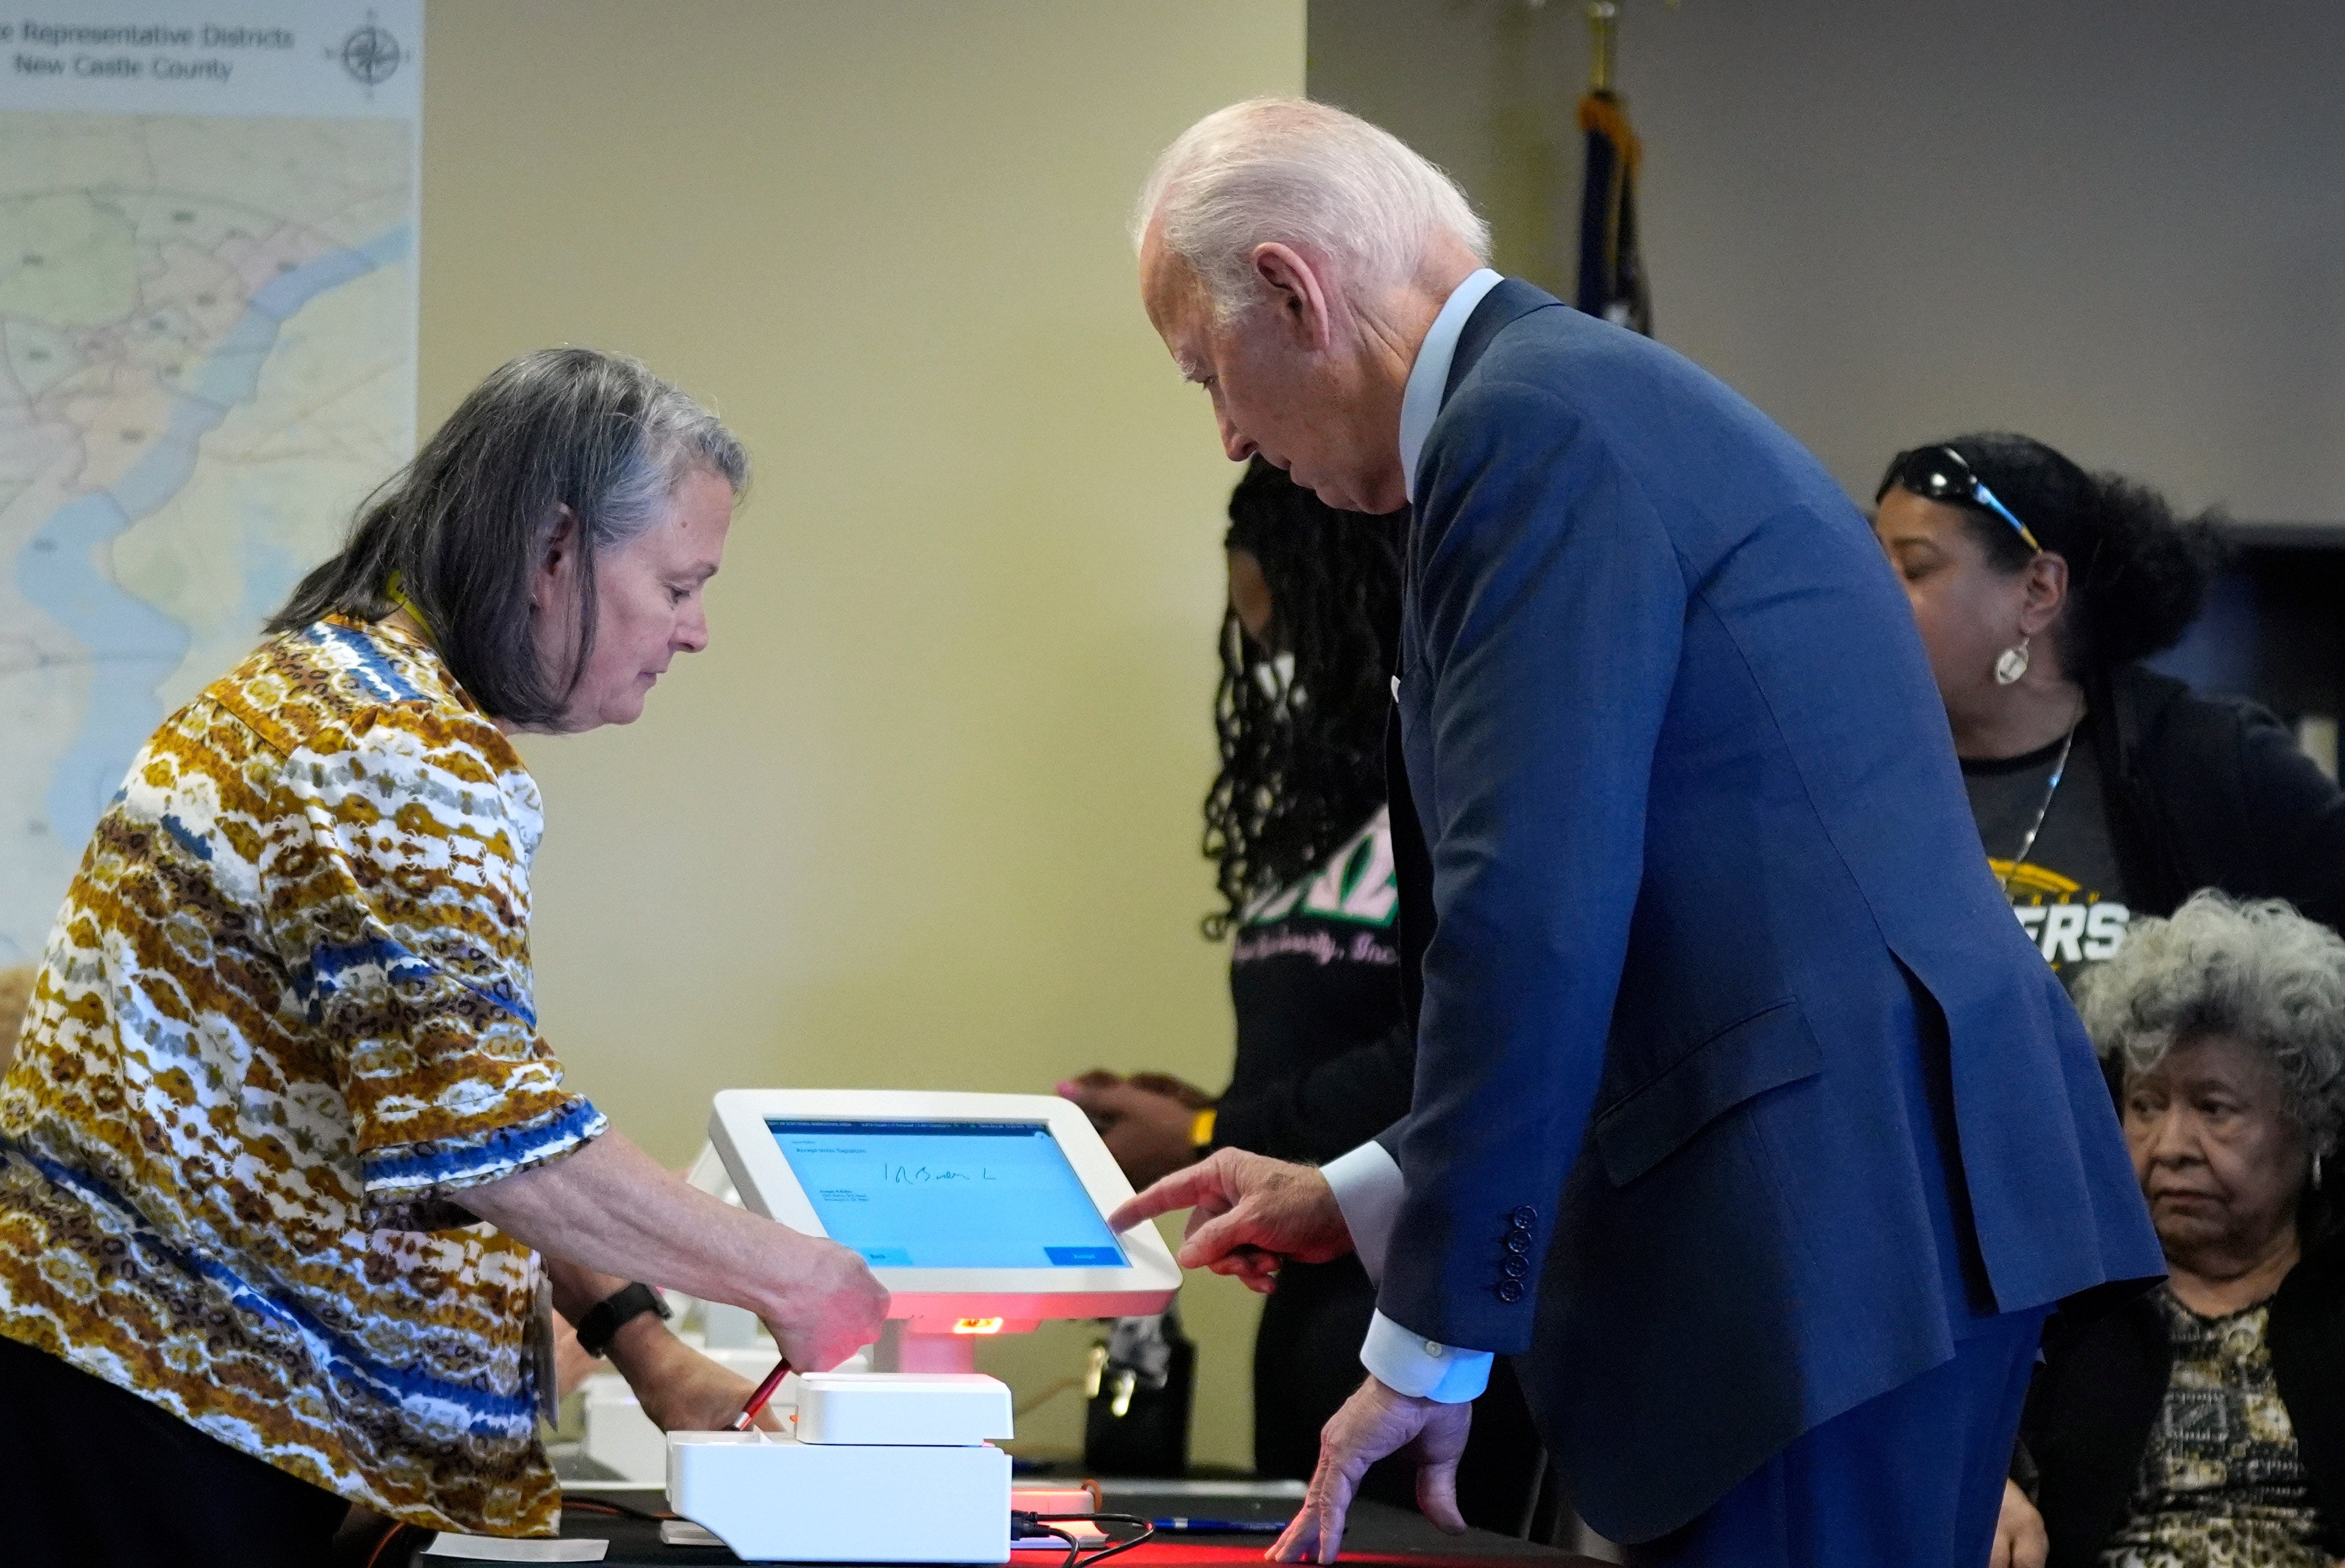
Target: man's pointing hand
(1246, 1215)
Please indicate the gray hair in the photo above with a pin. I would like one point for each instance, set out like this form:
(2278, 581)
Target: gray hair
(466, 523)
(2258, 972)
(1302, 174)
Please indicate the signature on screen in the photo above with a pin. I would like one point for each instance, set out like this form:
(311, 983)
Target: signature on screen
(928, 1174)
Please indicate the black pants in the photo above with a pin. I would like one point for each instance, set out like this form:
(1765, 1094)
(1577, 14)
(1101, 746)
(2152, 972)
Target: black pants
(93, 1477)
(1306, 1362)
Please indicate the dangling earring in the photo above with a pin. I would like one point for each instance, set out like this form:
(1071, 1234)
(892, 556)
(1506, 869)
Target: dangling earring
(2013, 664)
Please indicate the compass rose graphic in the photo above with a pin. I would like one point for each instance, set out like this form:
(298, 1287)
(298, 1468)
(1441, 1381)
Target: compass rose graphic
(371, 55)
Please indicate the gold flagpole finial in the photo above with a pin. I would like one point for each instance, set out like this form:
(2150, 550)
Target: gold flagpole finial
(1603, 43)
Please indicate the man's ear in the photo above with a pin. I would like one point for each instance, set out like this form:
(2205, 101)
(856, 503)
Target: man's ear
(551, 581)
(1300, 298)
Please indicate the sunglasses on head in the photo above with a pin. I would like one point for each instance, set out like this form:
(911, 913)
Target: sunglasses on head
(1939, 473)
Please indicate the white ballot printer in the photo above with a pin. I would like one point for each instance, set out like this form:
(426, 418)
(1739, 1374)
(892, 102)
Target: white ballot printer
(982, 1214)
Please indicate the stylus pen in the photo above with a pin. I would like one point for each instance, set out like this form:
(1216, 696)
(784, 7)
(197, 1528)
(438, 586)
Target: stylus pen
(1181, 1524)
(748, 1416)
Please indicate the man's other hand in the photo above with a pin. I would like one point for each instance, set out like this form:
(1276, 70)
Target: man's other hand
(2019, 1538)
(1246, 1214)
(1375, 1421)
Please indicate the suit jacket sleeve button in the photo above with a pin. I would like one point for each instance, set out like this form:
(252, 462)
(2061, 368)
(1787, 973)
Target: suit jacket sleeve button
(1514, 1266)
(1523, 1218)
(1518, 1242)
(1510, 1291)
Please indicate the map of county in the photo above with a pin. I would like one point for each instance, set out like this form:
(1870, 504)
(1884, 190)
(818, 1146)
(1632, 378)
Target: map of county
(207, 359)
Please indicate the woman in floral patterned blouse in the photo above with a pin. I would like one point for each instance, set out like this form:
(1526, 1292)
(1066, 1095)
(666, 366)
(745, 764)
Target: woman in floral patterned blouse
(288, 1174)
(2203, 1425)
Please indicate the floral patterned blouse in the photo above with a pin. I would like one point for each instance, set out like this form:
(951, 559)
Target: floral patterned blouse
(2221, 1484)
(283, 1022)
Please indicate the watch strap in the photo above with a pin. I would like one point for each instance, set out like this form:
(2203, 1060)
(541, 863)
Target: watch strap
(605, 1318)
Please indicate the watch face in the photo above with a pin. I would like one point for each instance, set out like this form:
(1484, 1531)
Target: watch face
(613, 1313)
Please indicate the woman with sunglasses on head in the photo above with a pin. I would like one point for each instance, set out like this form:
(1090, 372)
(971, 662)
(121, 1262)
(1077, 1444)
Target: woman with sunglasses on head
(2102, 789)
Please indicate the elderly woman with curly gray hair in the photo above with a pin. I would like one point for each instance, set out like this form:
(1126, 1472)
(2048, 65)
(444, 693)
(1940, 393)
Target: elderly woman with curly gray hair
(2202, 1425)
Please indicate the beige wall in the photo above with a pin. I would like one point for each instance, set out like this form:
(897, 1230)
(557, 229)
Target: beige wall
(925, 813)
(2114, 227)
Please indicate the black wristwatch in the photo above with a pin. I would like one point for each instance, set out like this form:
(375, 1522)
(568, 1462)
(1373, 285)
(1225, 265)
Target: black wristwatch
(601, 1325)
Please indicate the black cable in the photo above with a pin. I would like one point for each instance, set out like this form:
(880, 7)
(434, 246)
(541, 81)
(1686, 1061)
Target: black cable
(1044, 1521)
(1147, 1533)
(1025, 1525)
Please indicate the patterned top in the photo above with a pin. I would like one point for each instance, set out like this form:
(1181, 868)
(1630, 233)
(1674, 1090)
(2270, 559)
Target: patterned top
(2221, 1484)
(284, 1016)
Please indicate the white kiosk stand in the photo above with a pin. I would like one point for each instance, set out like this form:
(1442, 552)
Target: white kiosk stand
(982, 1214)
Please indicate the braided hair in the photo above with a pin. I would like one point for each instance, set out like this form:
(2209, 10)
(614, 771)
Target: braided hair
(2136, 573)
(1301, 749)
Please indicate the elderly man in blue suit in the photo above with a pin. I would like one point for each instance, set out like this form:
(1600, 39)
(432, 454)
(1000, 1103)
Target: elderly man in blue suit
(1744, 1113)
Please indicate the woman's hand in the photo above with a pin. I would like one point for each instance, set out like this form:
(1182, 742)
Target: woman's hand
(1144, 1120)
(680, 1388)
(2019, 1538)
(829, 1305)
(606, 1214)
(572, 1364)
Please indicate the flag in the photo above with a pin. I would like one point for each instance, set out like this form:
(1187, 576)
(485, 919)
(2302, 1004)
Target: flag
(1611, 273)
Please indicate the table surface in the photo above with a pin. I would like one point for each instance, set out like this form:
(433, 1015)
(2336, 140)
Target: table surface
(1377, 1534)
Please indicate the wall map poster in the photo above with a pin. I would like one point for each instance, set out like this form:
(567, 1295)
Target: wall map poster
(207, 237)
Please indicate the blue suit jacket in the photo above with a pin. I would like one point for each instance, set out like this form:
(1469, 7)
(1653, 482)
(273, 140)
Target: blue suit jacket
(1726, 1036)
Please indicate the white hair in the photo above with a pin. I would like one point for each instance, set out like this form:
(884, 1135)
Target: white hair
(2258, 971)
(1306, 174)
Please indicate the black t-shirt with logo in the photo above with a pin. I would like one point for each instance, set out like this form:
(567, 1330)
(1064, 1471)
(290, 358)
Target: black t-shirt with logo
(2068, 894)
(1324, 1060)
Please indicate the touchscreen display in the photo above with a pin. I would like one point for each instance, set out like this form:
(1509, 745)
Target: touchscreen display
(947, 1194)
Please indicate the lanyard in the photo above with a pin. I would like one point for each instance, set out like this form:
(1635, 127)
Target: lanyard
(398, 595)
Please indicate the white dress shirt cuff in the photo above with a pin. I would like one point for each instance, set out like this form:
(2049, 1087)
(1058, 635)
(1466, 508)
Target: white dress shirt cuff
(1368, 1190)
(1425, 1369)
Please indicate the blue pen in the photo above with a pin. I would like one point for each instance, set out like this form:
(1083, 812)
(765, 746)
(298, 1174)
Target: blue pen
(1180, 1524)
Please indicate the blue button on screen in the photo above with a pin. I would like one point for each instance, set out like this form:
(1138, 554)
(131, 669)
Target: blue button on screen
(948, 1195)
(1085, 1256)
